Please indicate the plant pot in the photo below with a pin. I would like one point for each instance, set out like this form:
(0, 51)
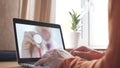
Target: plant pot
(71, 39)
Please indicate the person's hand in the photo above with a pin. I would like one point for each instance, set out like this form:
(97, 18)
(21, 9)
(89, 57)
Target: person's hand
(28, 38)
(53, 58)
(27, 44)
(86, 53)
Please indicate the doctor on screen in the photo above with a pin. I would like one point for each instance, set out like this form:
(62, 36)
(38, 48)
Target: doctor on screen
(36, 44)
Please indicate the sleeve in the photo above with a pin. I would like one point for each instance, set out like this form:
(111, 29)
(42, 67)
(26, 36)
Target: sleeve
(77, 63)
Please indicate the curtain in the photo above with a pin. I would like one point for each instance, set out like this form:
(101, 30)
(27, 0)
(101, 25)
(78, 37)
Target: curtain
(8, 11)
(38, 10)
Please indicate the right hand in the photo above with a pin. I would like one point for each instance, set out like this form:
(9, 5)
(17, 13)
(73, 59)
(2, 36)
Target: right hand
(28, 38)
(53, 57)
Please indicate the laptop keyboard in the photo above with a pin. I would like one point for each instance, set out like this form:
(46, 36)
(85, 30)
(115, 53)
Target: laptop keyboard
(31, 65)
(30, 62)
(28, 65)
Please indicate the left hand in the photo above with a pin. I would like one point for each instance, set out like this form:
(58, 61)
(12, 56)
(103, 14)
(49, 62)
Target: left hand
(87, 53)
(53, 58)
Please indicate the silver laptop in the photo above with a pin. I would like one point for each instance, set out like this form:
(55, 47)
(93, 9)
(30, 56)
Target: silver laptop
(33, 39)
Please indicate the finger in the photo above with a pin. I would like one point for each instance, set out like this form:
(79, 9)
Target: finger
(84, 55)
(82, 48)
(75, 53)
(28, 37)
(41, 61)
(45, 55)
(77, 49)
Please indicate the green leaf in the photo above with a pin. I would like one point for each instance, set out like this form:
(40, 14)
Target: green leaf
(75, 19)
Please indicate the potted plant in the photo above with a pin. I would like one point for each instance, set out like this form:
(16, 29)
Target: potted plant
(74, 35)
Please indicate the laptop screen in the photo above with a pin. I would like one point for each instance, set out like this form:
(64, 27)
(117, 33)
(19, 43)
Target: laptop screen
(34, 39)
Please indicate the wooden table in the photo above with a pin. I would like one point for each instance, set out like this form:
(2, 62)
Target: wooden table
(13, 64)
(10, 64)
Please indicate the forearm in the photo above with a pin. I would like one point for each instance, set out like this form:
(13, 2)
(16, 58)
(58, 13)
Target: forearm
(112, 57)
(77, 63)
(25, 50)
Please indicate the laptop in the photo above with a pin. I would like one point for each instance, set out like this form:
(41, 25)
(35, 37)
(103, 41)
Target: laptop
(32, 38)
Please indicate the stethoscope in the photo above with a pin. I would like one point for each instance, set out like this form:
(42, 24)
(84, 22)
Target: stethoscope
(38, 40)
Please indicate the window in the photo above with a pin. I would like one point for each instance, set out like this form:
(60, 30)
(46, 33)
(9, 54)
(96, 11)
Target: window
(63, 18)
(94, 28)
(62, 12)
(98, 19)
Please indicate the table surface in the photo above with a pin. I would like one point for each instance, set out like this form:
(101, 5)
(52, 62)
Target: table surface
(13, 64)
(10, 64)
